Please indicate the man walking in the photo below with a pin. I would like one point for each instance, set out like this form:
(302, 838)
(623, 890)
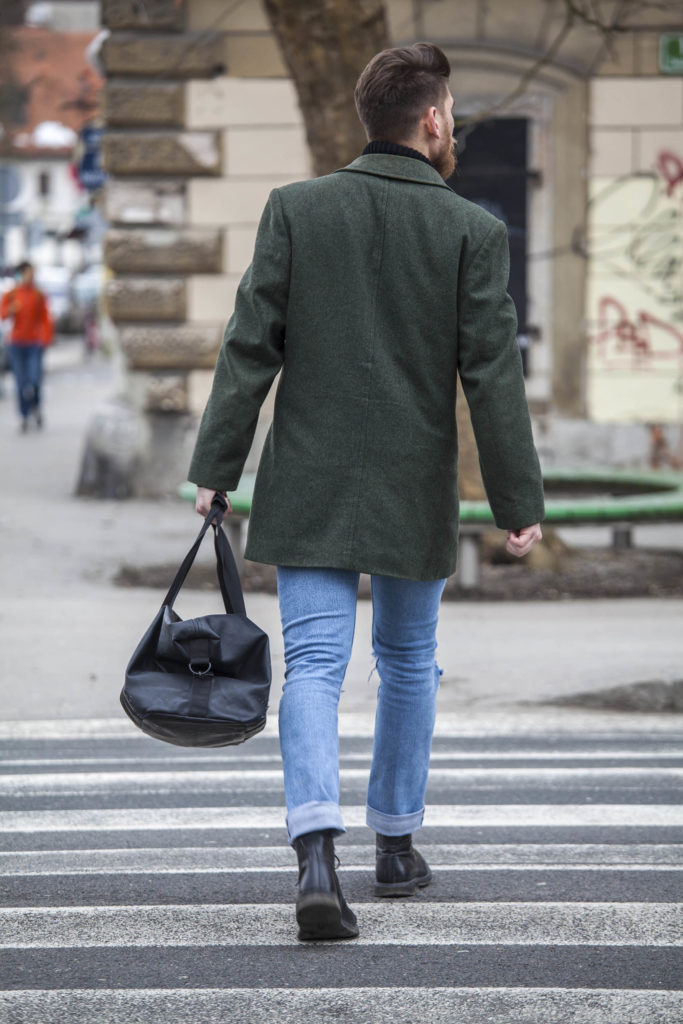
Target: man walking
(371, 289)
(31, 332)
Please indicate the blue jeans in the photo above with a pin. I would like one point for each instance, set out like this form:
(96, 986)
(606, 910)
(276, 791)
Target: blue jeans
(318, 611)
(26, 362)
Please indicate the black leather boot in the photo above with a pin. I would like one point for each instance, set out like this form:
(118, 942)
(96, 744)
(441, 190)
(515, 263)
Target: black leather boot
(399, 869)
(321, 910)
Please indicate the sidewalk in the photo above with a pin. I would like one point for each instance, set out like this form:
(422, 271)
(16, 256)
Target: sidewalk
(66, 631)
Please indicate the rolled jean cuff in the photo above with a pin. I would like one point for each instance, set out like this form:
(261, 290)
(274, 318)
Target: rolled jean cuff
(393, 824)
(315, 816)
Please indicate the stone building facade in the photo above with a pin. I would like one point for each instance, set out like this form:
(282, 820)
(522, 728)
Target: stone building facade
(203, 122)
(634, 249)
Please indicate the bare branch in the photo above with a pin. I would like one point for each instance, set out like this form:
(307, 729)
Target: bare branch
(527, 77)
(586, 12)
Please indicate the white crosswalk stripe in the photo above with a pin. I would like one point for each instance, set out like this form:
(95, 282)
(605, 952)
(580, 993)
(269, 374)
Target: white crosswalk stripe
(431, 924)
(267, 780)
(313, 1005)
(249, 817)
(140, 882)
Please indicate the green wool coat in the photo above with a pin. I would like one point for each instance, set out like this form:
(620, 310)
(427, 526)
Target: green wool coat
(371, 289)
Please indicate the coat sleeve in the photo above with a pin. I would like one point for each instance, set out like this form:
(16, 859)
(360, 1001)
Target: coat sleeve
(490, 367)
(5, 304)
(250, 357)
(46, 327)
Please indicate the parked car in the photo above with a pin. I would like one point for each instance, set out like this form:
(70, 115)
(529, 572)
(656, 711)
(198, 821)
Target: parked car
(87, 286)
(5, 284)
(4, 356)
(54, 282)
(86, 291)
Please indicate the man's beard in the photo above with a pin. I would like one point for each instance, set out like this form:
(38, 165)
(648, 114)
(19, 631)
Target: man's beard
(447, 159)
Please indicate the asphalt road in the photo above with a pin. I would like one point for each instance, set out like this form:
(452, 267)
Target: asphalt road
(67, 631)
(143, 882)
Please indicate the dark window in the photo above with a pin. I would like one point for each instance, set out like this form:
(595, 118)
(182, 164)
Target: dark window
(492, 172)
(44, 183)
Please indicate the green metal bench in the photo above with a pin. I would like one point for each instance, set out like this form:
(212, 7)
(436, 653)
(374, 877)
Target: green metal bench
(624, 498)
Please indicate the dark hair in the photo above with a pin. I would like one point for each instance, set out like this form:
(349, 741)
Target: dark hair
(24, 265)
(395, 88)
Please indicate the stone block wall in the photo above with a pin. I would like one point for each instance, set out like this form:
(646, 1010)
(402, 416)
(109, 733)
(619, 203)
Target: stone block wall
(202, 123)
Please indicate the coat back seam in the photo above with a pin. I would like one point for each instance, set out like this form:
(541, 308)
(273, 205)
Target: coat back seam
(351, 536)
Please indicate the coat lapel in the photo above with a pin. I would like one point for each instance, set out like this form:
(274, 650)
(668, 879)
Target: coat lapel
(404, 167)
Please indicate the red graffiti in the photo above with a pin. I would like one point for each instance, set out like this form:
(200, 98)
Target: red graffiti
(670, 166)
(634, 343)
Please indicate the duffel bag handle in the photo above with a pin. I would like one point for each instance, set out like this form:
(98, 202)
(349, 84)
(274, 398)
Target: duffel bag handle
(226, 570)
(226, 567)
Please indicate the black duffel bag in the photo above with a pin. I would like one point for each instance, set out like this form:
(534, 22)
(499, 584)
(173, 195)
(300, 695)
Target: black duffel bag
(201, 682)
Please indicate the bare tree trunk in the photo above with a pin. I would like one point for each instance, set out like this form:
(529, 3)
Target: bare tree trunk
(470, 483)
(326, 44)
(11, 92)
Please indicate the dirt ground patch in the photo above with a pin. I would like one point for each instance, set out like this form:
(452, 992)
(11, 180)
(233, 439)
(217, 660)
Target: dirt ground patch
(583, 573)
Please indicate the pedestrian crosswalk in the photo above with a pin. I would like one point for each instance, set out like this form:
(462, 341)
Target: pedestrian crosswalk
(146, 883)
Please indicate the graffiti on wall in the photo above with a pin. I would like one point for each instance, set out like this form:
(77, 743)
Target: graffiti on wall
(635, 299)
(623, 340)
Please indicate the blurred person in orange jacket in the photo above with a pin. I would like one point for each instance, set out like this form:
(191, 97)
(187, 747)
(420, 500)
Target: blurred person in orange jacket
(31, 332)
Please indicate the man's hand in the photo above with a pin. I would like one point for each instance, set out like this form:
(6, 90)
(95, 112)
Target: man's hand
(205, 497)
(520, 542)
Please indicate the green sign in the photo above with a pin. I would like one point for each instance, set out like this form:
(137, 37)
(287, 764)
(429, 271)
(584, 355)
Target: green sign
(671, 54)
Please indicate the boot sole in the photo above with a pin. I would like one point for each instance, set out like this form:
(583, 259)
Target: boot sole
(319, 916)
(408, 888)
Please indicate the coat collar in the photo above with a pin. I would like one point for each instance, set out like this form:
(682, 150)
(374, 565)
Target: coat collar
(403, 167)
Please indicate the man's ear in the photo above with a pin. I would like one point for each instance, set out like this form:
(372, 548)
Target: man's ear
(431, 123)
